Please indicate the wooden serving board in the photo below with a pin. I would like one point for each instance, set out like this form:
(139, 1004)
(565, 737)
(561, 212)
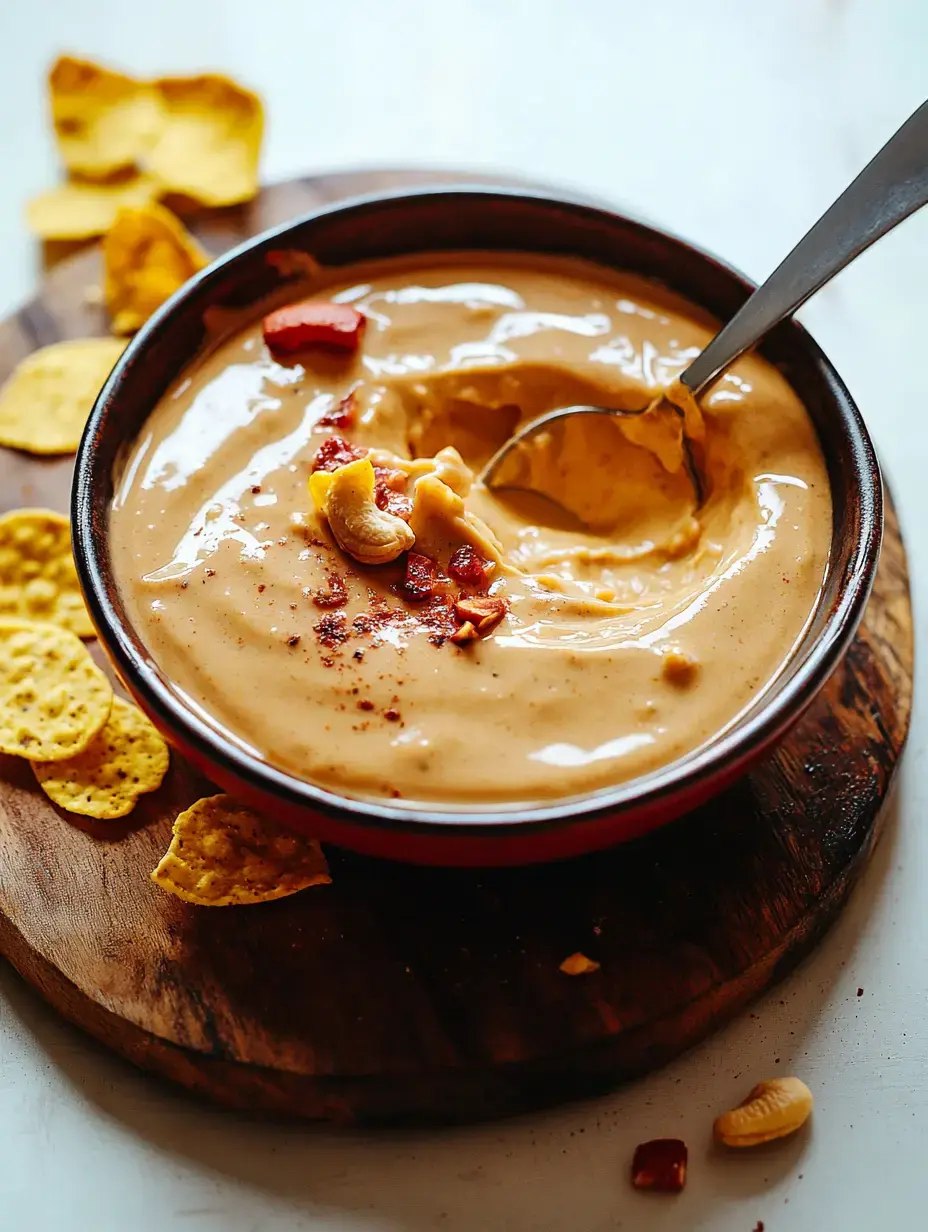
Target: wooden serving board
(402, 994)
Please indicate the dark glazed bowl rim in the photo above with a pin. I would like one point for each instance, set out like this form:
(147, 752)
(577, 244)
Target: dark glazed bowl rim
(102, 445)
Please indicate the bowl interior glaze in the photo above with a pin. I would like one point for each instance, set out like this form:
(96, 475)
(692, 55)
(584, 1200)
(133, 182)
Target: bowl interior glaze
(456, 219)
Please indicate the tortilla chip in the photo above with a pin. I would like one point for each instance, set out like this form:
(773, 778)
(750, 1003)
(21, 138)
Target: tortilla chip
(45, 402)
(53, 697)
(147, 255)
(81, 209)
(211, 139)
(38, 580)
(224, 854)
(104, 121)
(127, 759)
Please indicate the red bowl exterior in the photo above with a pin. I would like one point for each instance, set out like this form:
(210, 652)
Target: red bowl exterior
(454, 219)
(466, 847)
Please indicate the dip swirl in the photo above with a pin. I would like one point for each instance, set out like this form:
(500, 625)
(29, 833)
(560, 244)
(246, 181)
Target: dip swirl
(637, 625)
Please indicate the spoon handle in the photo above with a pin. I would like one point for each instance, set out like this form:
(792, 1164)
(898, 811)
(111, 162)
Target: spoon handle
(892, 186)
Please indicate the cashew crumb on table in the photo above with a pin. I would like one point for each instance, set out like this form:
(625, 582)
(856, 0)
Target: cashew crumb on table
(578, 964)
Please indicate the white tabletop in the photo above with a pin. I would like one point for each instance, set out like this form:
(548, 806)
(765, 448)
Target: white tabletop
(735, 124)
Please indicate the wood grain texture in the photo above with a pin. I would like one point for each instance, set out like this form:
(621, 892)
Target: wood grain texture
(403, 994)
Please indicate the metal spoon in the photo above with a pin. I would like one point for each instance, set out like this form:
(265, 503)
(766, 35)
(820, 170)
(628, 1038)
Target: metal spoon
(892, 186)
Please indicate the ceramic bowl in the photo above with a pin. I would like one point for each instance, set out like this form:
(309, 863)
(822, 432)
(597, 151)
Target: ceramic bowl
(437, 219)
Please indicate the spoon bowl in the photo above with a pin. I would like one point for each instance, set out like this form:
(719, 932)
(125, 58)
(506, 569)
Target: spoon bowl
(893, 185)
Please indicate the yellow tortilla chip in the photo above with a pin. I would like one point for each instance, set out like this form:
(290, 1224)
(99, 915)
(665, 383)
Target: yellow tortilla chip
(45, 403)
(81, 209)
(38, 580)
(53, 697)
(104, 121)
(224, 854)
(147, 255)
(210, 142)
(127, 759)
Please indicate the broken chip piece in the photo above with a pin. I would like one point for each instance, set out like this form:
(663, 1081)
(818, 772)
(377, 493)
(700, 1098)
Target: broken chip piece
(53, 697)
(125, 760)
(224, 854)
(197, 136)
(104, 121)
(483, 611)
(38, 580)
(80, 209)
(147, 255)
(209, 142)
(45, 402)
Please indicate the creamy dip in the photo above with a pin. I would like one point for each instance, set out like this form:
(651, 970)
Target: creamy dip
(639, 623)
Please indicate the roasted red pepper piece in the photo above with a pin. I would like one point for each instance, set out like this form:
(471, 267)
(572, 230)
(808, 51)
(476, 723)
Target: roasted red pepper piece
(313, 322)
(469, 568)
(389, 491)
(393, 502)
(660, 1165)
(422, 579)
(343, 415)
(334, 452)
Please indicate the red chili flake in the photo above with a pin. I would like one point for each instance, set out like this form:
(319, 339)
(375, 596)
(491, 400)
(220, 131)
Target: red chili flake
(860, 992)
(389, 491)
(313, 322)
(437, 619)
(364, 704)
(210, 572)
(332, 630)
(293, 640)
(261, 588)
(256, 488)
(334, 452)
(392, 716)
(342, 416)
(660, 1165)
(483, 611)
(468, 568)
(422, 579)
(335, 596)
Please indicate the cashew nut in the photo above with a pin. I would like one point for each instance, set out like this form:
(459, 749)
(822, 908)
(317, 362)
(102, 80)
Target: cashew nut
(773, 1109)
(345, 497)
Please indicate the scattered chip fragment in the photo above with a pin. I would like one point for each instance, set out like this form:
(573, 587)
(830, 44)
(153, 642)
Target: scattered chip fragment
(147, 255)
(224, 854)
(104, 121)
(127, 759)
(53, 697)
(45, 402)
(210, 140)
(38, 580)
(81, 209)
